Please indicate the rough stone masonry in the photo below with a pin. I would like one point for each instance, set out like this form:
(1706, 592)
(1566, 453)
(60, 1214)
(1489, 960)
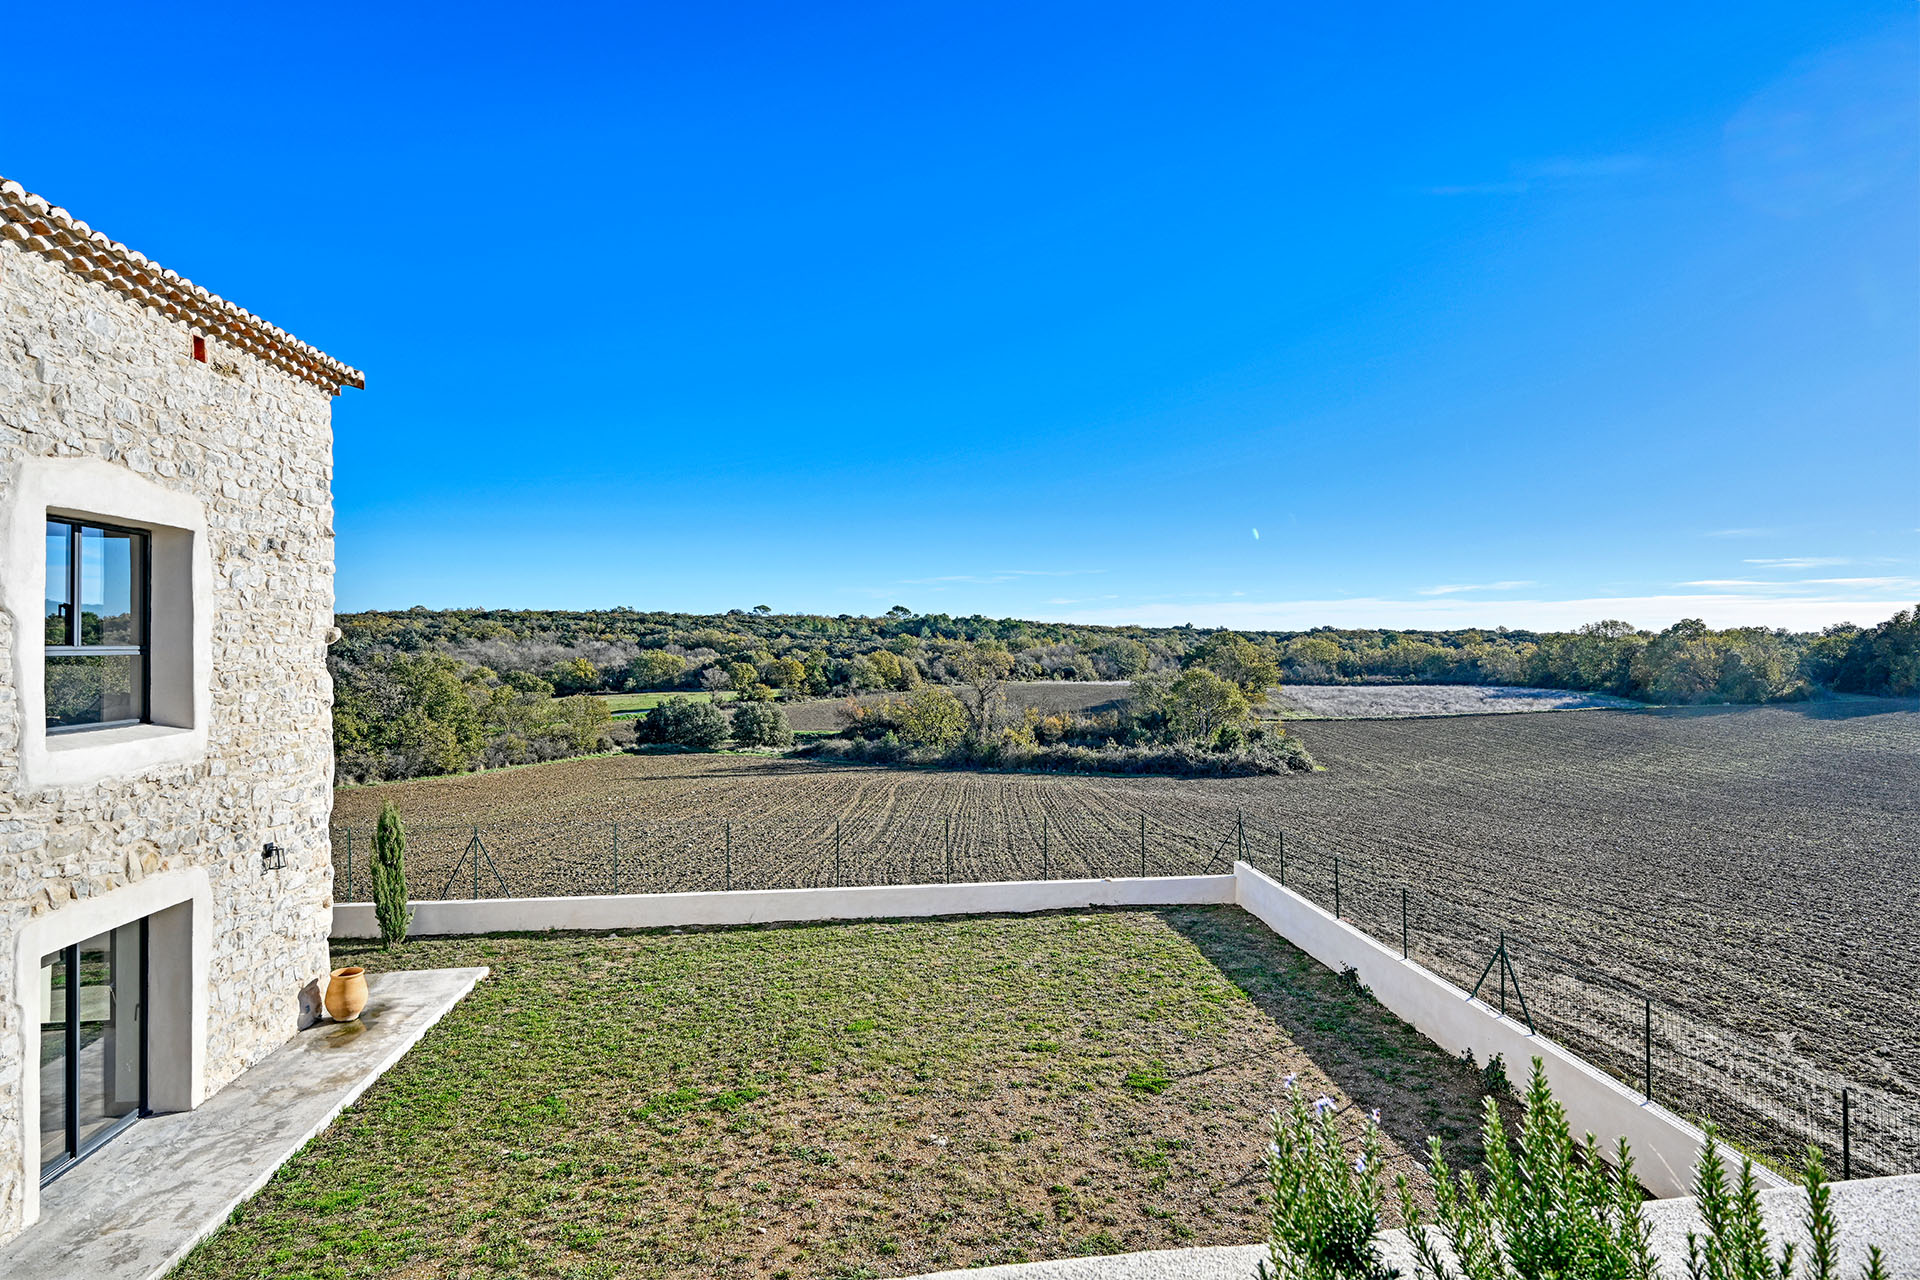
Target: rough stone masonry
(97, 359)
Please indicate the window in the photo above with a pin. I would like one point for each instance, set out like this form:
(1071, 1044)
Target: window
(96, 625)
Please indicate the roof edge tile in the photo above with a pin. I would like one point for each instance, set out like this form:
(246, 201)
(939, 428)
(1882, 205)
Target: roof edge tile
(40, 227)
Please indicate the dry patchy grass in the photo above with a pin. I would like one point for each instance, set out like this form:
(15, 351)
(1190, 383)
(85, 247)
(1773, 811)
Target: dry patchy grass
(845, 1100)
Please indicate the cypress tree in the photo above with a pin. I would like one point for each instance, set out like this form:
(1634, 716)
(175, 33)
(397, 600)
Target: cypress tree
(390, 878)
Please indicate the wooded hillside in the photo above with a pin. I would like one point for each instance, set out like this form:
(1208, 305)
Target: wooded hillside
(435, 691)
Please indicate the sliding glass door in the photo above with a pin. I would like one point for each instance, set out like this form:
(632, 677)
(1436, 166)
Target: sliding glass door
(93, 1043)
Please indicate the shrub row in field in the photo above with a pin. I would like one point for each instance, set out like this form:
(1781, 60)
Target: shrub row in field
(1262, 754)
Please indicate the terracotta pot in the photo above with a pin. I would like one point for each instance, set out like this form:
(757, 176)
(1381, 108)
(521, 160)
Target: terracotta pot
(346, 993)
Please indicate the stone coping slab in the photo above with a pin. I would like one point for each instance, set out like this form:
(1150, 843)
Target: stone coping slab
(135, 1207)
(1881, 1211)
(1217, 1263)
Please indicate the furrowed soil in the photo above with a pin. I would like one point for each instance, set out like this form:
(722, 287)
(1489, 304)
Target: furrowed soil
(1753, 870)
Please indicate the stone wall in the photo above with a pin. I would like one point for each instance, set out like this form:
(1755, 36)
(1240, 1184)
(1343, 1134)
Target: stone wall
(86, 371)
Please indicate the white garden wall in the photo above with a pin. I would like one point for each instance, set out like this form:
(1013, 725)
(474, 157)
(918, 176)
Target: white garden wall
(1665, 1147)
(787, 906)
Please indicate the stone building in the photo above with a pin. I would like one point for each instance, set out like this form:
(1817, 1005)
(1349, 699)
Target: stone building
(166, 575)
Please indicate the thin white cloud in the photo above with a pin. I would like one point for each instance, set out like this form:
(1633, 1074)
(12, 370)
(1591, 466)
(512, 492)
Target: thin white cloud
(1905, 585)
(1553, 172)
(1744, 608)
(1895, 585)
(1453, 589)
(1738, 533)
(1801, 562)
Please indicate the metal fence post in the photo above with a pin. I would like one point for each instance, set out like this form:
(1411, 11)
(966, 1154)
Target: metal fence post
(1846, 1135)
(349, 897)
(1403, 924)
(1143, 846)
(1045, 872)
(1336, 887)
(729, 857)
(616, 858)
(476, 863)
(1648, 1043)
(1240, 822)
(836, 853)
(949, 848)
(1502, 955)
(1283, 859)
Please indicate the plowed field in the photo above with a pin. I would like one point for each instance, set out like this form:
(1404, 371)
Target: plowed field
(1755, 871)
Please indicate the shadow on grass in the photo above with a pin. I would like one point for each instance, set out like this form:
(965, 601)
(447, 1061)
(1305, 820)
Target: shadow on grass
(1369, 1054)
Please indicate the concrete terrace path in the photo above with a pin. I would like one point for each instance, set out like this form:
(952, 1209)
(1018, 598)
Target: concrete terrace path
(135, 1207)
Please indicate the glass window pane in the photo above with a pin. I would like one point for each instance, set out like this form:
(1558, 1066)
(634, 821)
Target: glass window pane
(59, 549)
(109, 588)
(95, 690)
(109, 980)
(53, 1059)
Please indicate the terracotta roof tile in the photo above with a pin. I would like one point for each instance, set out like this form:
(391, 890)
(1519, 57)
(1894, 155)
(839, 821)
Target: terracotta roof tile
(31, 222)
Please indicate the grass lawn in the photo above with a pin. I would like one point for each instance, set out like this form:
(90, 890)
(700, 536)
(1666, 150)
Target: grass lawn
(845, 1100)
(633, 703)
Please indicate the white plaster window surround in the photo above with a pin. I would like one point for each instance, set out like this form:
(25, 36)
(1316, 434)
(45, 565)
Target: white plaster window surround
(180, 639)
(178, 906)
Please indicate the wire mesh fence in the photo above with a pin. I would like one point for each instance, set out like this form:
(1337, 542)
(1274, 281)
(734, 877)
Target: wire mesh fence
(502, 860)
(1768, 1097)
(1765, 1096)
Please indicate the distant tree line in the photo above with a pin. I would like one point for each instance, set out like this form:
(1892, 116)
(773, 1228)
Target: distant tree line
(433, 691)
(757, 655)
(1687, 663)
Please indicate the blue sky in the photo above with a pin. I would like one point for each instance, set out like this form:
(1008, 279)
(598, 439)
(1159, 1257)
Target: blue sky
(1258, 315)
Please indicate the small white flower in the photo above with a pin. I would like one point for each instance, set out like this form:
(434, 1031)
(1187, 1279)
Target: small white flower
(1360, 1163)
(1273, 1151)
(1375, 1113)
(1291, 1077)
(1322, 1105)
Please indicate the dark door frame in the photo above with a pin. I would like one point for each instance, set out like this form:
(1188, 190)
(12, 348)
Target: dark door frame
(75, 1151)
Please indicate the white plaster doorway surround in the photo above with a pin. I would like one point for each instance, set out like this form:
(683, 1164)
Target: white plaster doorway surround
(179, 908)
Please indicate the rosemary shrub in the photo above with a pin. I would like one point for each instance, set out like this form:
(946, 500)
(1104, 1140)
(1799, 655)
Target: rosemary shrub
(1735, 1246)
(1325, 1217)
(1544, 1207)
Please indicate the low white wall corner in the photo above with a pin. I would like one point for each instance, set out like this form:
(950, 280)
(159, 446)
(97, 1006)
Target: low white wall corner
(1665, 1147)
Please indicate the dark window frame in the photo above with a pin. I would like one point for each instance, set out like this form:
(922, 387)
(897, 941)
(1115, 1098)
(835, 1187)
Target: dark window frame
(143, 574)
(76, 1150)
